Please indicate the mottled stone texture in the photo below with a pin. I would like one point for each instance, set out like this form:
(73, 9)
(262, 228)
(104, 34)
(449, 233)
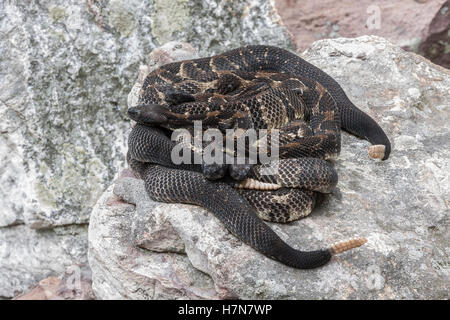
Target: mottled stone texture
(28, 256)
(147, 250)
(66, 68)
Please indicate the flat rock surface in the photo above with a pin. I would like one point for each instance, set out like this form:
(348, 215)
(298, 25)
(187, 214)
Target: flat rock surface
(147, 250)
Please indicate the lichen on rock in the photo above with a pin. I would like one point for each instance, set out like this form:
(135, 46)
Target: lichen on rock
(122, 16)
(67, 68)
(170, 17)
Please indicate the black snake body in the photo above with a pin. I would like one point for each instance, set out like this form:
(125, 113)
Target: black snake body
(248, 88)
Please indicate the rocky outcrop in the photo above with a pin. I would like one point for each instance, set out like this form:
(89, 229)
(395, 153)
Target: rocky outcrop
(67, 67)
(123, 270)
(146, 250)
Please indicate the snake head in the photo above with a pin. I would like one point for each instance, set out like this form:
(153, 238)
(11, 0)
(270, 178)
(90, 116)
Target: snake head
(149, 114)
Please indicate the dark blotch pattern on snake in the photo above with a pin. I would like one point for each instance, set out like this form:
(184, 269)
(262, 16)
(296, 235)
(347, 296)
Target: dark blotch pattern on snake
(260, 87)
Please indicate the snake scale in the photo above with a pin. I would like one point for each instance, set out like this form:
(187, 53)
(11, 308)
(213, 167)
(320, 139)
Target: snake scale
(252, 87)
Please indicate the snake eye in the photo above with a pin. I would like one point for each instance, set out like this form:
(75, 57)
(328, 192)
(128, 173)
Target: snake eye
(133, 112)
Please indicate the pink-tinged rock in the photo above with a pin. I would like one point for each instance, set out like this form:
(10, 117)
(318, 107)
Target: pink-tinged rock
(403, 22)
(74, 284)
(170, 52)
(436, 43)
(45, 290)
(124, 271)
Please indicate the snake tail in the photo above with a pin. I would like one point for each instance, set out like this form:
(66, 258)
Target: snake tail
(232, 210)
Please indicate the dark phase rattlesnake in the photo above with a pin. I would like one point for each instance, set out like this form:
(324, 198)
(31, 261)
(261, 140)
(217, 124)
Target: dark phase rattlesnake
(259, 87)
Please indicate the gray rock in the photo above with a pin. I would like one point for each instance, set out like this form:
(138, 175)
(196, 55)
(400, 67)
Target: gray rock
(124, 271)
(28, 256)
(66, 68)
(69, 68)
(401, 205)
